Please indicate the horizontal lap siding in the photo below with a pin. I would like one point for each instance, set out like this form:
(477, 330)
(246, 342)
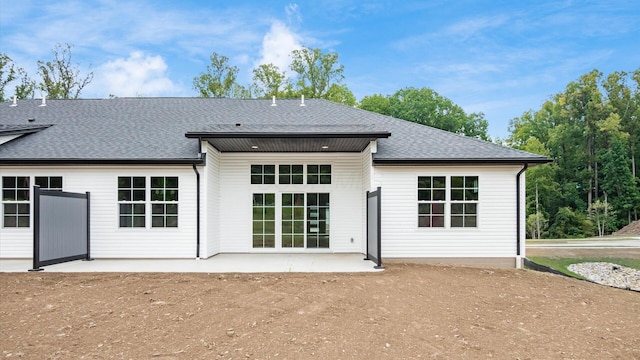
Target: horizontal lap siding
(212, 217)
(235, 196)
(494, 237)
(107, 239)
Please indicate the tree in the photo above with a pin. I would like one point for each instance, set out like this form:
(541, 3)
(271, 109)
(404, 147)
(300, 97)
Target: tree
(269, 81)
(316, 71)
(10, 72)
(427, 107)
(219, 80)
(341, 94)
(570, 224)
(377, 103)
(7, 73)
(618, 180)
(601, 213)
(60, 78)
(592, 132)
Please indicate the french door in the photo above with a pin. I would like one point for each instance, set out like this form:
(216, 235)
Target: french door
(291, 220)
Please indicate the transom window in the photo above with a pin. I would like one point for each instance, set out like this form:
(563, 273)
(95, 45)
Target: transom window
(164, 201)
(15, 201)
(290, 174)
(318, 174)
(431, 201)
(131, 200)
(263, 174)
(464, 201)
(49, 182)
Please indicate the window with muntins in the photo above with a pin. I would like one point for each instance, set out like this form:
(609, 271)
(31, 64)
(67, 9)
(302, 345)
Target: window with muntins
(131, 200)
(264, 220)
(49, 182)
(431, 201)
(263, 174)
(164, 201)
(293, 220)
(318, 174)
(464, 201)
(290, 174)
(15, 201)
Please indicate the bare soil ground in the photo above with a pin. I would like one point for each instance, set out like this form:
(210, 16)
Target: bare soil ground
(631, 229)
(407, 311)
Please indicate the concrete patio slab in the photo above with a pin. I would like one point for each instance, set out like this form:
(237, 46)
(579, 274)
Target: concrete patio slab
(222, 263)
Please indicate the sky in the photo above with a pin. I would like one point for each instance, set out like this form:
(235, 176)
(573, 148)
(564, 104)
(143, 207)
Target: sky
(501, 58)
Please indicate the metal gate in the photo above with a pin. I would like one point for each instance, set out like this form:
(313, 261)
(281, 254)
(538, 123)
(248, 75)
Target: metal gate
(373, 228)
(60, 227)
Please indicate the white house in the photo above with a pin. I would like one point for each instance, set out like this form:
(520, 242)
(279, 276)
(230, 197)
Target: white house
(195, 177)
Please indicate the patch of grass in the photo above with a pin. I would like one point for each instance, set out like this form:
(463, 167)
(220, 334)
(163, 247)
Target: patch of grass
(561, 264)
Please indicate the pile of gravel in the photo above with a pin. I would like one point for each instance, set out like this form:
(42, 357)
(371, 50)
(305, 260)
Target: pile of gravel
(608, 274)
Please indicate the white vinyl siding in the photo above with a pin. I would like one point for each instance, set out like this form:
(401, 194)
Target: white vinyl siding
(346, 192)
(210, 187)
(494, 236)
(108, 240)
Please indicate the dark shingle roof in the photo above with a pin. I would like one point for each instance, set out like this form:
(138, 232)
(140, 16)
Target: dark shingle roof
(153, 129)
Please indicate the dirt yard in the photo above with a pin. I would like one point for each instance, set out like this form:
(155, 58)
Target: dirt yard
(407, 311)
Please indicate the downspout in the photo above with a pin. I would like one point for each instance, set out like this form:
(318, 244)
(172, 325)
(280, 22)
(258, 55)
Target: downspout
(518, 255)
(195, 169)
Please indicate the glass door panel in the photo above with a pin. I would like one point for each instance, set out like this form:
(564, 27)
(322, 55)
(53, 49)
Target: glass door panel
(264, 220)
(293, 220)
(318, 220)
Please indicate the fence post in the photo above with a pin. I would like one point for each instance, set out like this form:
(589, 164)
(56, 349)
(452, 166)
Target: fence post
(36, 229)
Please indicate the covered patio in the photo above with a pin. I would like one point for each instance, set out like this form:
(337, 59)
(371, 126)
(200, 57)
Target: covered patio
(222, 263)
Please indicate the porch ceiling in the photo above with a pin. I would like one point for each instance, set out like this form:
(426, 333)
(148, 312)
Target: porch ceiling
(289, 138)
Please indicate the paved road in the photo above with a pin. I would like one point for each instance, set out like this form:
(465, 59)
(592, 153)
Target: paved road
(587, 244)
(628, 248)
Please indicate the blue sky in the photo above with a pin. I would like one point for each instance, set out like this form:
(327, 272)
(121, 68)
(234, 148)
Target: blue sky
(497, 57)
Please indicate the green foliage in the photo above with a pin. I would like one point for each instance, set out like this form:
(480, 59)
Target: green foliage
(592, 132)
(60, 79)
(316, 71)
(7, 73)
(219, 80)
(341, 94)
(269, 81)
(10, 72)
(617, 180)
(561, 264)
(427, 107)
(569, 224)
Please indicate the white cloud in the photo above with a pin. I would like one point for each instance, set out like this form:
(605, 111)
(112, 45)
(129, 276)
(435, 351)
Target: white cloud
(277, 45)
(293, 14)
(138, 75)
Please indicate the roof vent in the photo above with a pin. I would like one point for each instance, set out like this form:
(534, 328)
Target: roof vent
(15, 101)
(238, 124)
(273, 101)
(302, 101)
(44, 100)
(31, 119)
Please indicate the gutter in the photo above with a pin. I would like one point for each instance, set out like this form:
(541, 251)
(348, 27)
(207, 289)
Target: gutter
(518, 255)
(58, 161)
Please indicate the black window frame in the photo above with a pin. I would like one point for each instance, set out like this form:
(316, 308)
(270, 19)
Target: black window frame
(432, 200)
(132, 201)
(16, 202)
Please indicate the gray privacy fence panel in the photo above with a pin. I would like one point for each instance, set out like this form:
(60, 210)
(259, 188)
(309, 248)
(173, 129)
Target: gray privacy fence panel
(373, 228)
(61, 227)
